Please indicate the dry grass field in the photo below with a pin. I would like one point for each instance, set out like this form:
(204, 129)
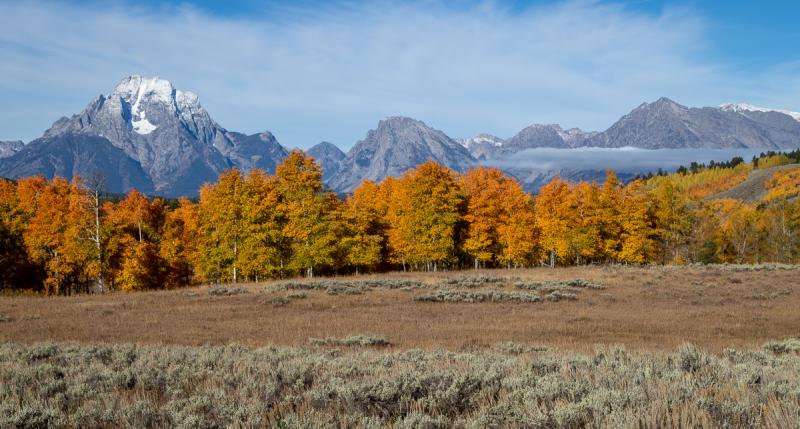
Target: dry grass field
(653, 308)
(565, 348)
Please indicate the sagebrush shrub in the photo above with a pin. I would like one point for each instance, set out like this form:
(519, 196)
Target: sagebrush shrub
(69, 385)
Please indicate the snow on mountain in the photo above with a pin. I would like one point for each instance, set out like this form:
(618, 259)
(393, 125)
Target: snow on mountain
(481, 139)
(9, 148)
(744, 107)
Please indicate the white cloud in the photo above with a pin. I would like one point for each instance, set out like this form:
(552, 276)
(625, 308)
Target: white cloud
(331, 74)
(627, 160)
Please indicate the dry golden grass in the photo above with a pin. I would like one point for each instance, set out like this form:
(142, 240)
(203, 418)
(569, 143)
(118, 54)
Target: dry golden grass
(654, 308)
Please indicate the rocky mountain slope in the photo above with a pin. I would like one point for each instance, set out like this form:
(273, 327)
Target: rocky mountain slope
(483, 146)
(164, 130)
(667, 124)
(329, 157)
(396, 145)
(662, 124)
(78, 155)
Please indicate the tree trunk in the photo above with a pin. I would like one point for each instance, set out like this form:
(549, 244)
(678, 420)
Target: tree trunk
(235, 257)
(100, 286)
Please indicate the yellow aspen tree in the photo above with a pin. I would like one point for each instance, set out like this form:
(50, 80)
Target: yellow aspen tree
(584, 222)
(674, 222)
(737, 230)
(424, 214)
(259, 252)
(609, 215)
(553, 219)
(309, 211)
(134, 230)
(366, 236)
(221, 226)
(636, 238)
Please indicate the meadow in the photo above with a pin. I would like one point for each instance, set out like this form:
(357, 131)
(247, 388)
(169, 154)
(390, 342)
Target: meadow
(602, 346)
(647, 308)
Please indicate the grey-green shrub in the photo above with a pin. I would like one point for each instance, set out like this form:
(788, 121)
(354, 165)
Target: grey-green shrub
(785, 346)
(352, 340)
(477, 296)
(226, 290)
(557, 285)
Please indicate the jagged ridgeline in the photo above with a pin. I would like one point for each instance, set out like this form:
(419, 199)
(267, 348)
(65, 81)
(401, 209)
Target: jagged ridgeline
(148, 135)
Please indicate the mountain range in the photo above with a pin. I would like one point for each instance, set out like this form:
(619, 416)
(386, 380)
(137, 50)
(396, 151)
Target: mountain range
(150, 136)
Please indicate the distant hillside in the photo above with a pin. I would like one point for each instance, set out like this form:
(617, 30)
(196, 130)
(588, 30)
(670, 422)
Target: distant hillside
(755, 187)
(770, 177)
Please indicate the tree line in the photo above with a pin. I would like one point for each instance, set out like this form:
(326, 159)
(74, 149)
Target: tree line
(61, 237)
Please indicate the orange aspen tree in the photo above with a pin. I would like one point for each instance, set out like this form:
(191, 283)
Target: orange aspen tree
(485, 212)
(179, 245)
(517, 233)
(54, 237)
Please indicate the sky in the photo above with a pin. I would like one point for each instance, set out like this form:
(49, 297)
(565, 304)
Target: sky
(310, 71)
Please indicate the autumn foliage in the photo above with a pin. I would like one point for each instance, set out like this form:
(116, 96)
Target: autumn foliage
(57, 237)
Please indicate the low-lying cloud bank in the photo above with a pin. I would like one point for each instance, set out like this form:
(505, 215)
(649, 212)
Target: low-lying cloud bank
(627, 159)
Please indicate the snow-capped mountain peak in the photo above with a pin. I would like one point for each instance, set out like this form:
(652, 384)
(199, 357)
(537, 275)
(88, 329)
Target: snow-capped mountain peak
(139, 92)
(135, 87)
(744, 107)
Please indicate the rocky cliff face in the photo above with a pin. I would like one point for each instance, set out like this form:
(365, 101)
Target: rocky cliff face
(260, 151)
(10, 148)
(396, 145)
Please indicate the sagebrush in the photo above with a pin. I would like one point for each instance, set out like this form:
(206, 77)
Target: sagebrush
(68, 385)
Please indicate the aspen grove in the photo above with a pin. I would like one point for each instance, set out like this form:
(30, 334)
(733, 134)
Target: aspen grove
(59, 236)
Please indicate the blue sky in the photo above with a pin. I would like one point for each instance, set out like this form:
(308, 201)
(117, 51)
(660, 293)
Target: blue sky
(311, 71)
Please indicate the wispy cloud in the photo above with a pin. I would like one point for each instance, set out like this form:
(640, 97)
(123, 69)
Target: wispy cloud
(331, 73)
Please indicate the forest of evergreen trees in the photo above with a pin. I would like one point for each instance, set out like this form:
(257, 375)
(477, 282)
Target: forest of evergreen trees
(61, 237)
